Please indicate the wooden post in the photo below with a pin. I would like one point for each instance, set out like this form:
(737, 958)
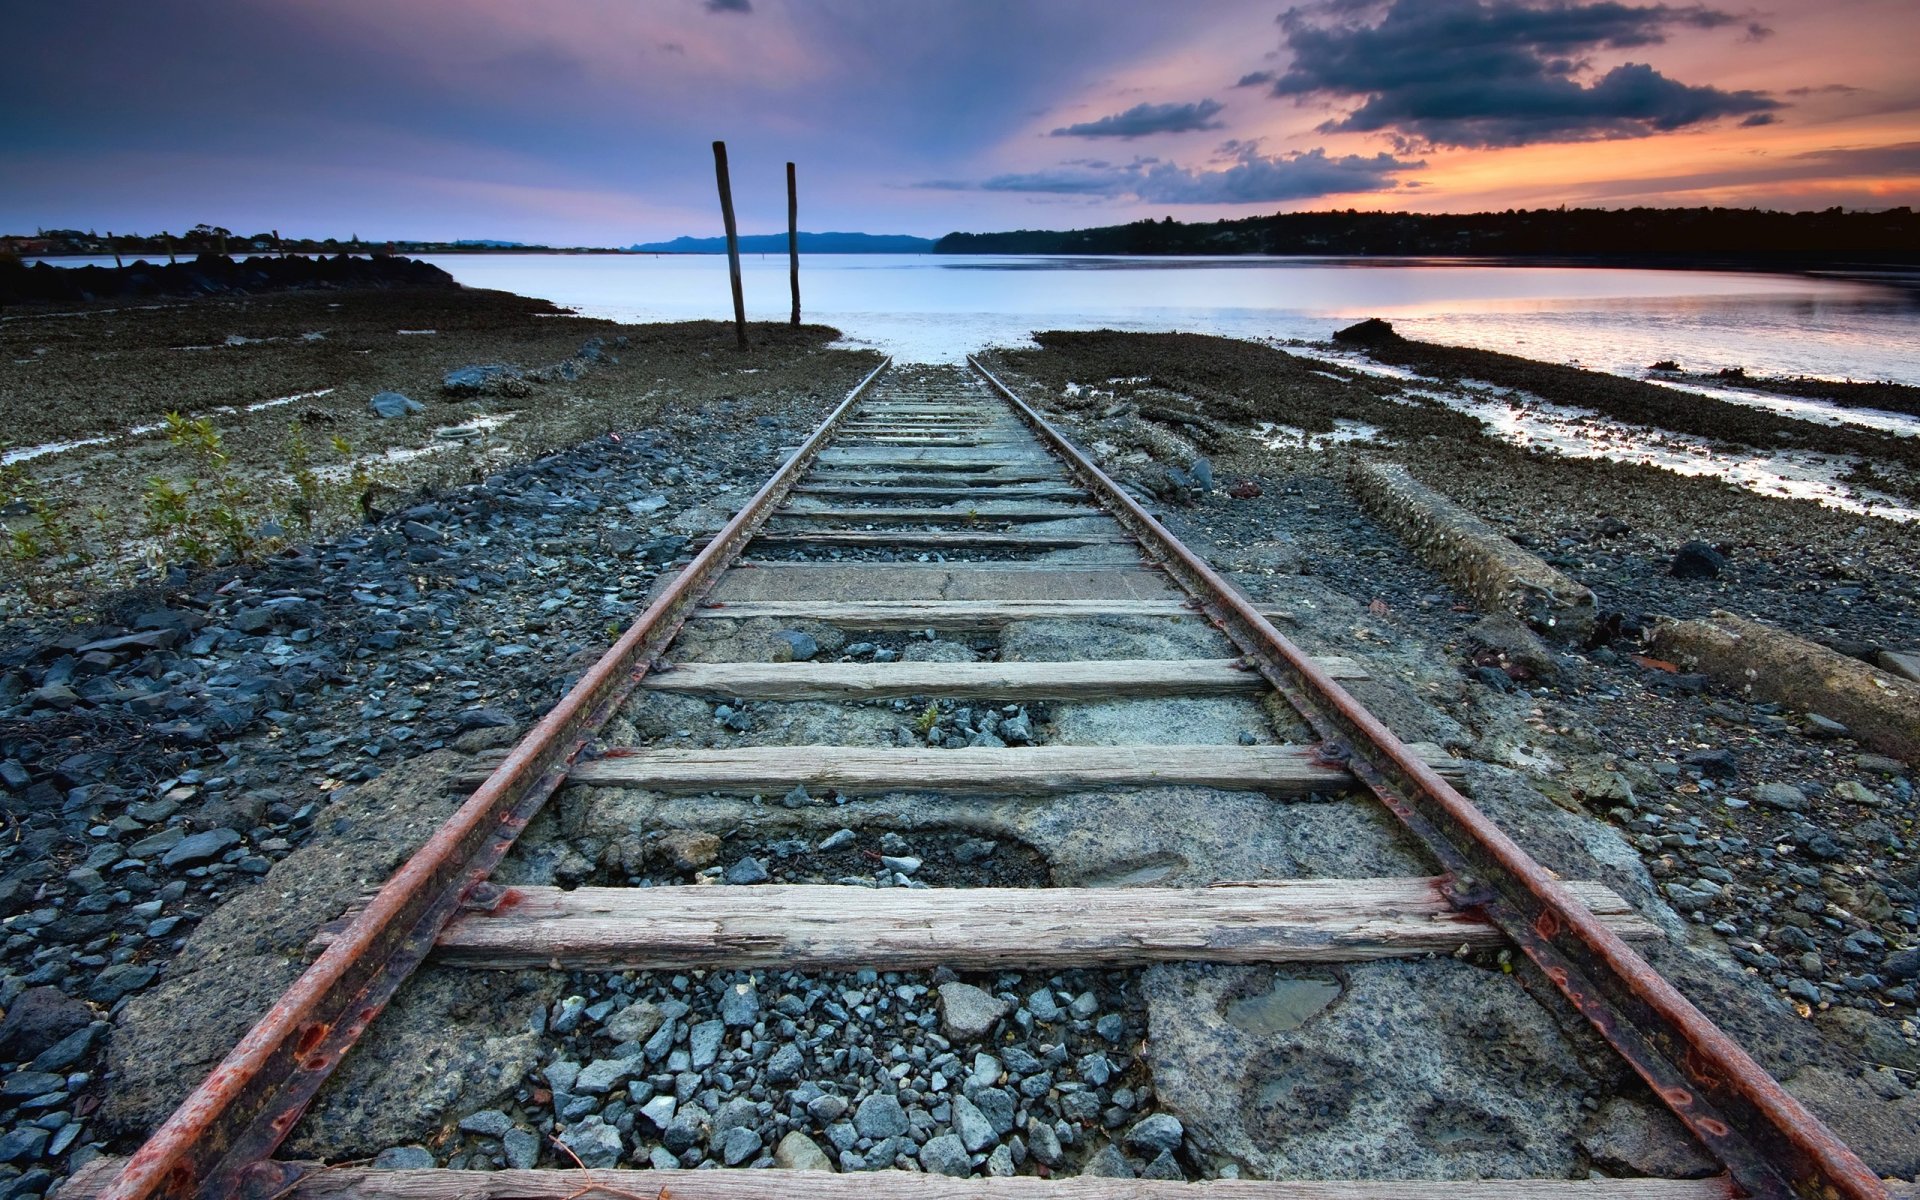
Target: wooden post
(793, 241)
(733, 242)
(168, 238)
(115, 247)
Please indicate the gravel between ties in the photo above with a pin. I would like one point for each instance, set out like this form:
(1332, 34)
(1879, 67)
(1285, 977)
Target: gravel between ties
(862, 1071)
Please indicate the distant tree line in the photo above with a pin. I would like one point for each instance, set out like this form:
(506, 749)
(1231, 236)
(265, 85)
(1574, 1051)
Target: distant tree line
(1673, 234)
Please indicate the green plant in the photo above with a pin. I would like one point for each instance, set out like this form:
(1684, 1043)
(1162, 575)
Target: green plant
(51, 535)
(360, 481)
(923, 724)
(207, 511)
(309, 493)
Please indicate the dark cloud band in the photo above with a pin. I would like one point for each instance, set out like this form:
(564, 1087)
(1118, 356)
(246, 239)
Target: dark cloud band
(1498, 72)
(1144, 119)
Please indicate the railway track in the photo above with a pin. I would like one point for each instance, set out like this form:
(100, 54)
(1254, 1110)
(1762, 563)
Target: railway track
(993, 576)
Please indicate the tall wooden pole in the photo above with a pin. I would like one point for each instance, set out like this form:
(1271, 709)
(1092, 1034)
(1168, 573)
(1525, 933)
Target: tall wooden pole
(733, 242)
(114, 245)
(793, 241)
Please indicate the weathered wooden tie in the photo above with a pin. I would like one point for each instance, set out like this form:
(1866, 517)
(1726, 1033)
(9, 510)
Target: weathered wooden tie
(954, 614)
(1092, 680)
(812, 927)
(1285, 771)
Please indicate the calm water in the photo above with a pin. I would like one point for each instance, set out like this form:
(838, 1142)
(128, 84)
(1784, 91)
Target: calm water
(936, 308)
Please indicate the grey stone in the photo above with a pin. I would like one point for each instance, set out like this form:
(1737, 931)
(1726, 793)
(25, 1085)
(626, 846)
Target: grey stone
(561, 1075)
(736, 1113)
(488, 1122)
(836, 840)
(404, 1158)
(798, 1152)
(1164, 1166)
(967, 1012)
(998, 1105)
(596, 1143)
(473, 379)
(158, 843)
(659, 1111)
(23, 1143)
(880, 1115)
(68, 1050)
(975, 1131)
(38, 1019)
(739, 1144)
(1158, 1133)
(685, 1131)
(945, 1155)
(785, 1065)
(704, 1041)
(201, 848)
(826, 1109)
(602, 1075)
(392, 405)
(1107, 1162)
(740, 1005)
(1000, 1162)
(1042, 1005)
(523, 1149)
(794, 646)
(1042, 1143)
(747, 871)
(1782, 796)
(635, 1023)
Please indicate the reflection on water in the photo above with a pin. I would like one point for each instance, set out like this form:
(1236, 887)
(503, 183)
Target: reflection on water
(937, 308)
(1526, 420)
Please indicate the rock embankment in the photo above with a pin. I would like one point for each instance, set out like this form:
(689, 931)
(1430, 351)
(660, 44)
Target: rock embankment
(211, 275)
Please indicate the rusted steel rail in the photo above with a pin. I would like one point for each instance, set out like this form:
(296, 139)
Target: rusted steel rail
(218, 1142)
(1772, 1146)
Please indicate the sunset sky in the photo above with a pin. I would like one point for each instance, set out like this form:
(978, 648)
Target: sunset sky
(589, 121)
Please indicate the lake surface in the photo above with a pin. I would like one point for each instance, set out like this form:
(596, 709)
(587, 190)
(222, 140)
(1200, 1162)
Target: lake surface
(937, 308)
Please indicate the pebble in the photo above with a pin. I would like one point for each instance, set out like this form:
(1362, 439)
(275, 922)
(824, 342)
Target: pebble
(880, 1115)
(740, 1005)
(404, 1158)
(596, 1143)
(1782, 796)
(837, 840)
(747, 871)
(967, 1012)
(1160, 1133)
(945, 1155)
(798, 1152)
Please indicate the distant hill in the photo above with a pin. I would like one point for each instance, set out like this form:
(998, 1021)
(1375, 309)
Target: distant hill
(1672, 235)
(810, 243)
(490, 244)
